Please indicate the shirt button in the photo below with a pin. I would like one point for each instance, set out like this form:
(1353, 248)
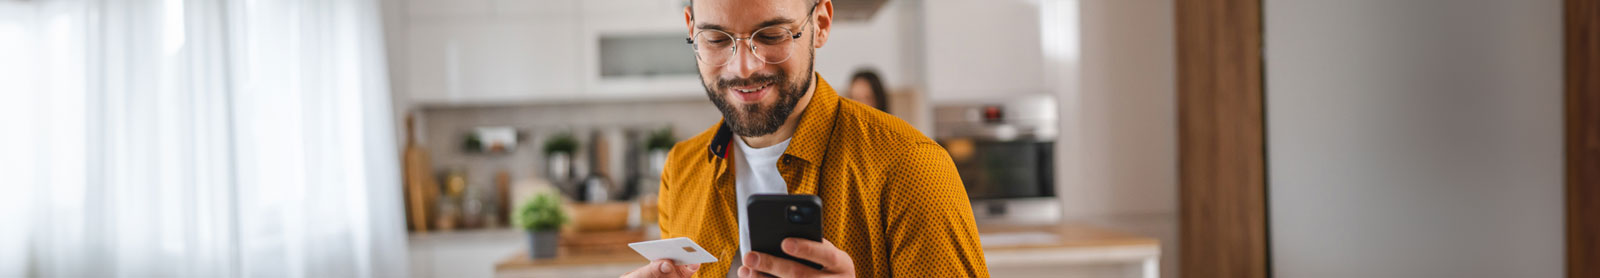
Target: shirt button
(786, 160)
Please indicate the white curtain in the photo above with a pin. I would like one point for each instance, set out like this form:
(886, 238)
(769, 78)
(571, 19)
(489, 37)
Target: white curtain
(196, 138)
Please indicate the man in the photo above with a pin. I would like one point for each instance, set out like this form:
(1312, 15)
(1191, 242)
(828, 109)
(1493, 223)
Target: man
(893, 205)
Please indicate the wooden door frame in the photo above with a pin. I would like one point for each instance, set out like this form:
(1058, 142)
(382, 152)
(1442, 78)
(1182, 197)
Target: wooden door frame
(1582, 102)
(1222, 218)
(1221, 140)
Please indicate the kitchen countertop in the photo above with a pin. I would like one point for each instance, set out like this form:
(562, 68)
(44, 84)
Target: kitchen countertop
(1009, 244)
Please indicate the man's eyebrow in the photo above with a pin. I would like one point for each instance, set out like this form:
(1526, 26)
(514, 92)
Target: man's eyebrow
(774, 21)
(709, 26)
(764, 24)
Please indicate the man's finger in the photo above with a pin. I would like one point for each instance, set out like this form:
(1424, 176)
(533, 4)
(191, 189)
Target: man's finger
(776, 266)
(657, 268)
(685, 270)
(823, 253)
(665, 267)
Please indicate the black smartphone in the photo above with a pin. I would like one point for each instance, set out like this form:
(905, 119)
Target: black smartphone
(774, 217)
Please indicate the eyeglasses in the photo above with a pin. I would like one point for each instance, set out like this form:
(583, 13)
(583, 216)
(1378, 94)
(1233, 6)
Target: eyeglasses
(771, 45)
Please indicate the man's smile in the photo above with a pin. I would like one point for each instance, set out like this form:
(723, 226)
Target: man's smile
(751, 94)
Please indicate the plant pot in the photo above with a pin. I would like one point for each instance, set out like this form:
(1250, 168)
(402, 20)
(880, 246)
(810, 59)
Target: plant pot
(560, 167)
(542, 244)
(658, 162)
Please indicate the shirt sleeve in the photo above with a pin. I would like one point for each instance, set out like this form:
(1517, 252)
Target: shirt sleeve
(663, 203)
(929, 219)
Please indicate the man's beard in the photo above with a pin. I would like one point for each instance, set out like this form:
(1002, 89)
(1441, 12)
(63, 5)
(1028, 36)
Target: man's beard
(753, 119)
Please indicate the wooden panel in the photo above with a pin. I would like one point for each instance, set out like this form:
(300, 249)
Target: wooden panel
(1222, 177)
(1583, 137)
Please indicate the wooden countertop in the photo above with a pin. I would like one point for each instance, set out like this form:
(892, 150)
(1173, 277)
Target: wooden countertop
(1068, 236)
(520, 260)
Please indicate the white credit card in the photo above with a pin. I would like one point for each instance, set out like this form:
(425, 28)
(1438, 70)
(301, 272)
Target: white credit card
(680, 250)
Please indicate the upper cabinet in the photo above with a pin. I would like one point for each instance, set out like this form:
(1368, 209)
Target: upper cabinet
(491, 59)
(496, 51)
(482, 8)
(674, 7)
(636, 48)
(993, 50)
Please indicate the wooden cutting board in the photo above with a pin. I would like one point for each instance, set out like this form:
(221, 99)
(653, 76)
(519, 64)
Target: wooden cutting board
(419, 186)
(603, 241)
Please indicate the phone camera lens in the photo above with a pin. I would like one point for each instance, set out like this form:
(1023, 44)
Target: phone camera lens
(802, 214)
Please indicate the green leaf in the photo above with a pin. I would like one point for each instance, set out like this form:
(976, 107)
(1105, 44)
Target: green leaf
(542, 213)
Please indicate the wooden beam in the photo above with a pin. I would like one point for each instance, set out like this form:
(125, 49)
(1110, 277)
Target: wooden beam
(1222, 172)
(1582, 63)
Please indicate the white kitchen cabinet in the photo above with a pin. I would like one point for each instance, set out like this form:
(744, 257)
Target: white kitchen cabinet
(534, 7)
(492, 58)
(659, 37)
(465, 253)
(620, 7)
(444, 8)
(982, 49)
(500, 51)
(483, 8)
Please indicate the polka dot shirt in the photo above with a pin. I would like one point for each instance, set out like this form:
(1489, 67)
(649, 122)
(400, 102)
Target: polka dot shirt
(891, 196)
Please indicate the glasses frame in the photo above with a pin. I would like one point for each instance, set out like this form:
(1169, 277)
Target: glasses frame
(749, 41)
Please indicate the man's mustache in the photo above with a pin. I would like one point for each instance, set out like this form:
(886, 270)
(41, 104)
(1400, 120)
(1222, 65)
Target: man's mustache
(748, 81)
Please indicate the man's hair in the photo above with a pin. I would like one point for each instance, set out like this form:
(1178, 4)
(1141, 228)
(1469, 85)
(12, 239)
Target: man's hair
(814, 4)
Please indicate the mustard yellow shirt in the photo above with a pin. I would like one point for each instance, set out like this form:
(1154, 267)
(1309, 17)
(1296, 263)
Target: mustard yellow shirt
(891, 197)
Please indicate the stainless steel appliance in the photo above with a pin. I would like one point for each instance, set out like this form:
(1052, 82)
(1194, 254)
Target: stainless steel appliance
(1005, 153)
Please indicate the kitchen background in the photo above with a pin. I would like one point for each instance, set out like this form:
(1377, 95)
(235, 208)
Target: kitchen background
(618, 70)
(393, 138)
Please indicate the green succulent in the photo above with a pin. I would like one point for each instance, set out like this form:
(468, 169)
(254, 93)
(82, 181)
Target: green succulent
(561, 143)
(542, 213)
(661, 139)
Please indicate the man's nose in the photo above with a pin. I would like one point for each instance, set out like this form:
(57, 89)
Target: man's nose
(745, 62)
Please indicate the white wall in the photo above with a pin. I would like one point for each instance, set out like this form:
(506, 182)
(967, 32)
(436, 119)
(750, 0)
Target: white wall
(877, 43)
(1128, 118)
(1111, 64)
(982, 49)
(1118, 96)
(1123, 173)
(1414, 138)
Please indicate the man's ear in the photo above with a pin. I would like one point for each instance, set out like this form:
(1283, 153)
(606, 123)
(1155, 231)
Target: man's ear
(824, 21)
(688, 19)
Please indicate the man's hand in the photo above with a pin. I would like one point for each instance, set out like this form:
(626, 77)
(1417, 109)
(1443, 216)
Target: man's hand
(663, 269)
(835, 262)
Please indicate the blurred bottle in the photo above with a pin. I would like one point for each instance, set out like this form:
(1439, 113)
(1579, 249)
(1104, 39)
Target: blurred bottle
(596, 188)
(502, 197)
(455, 186)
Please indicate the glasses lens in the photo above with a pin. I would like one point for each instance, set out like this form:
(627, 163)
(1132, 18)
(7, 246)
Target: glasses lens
(772, 36)
(772, 44)
(713, 47)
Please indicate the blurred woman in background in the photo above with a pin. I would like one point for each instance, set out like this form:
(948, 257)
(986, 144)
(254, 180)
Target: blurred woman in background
(867, 88)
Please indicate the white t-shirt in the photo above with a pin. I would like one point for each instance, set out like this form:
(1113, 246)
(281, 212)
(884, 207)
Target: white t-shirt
(757, 174)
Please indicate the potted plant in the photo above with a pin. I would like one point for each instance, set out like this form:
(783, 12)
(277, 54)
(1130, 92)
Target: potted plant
(558, 153)
(541, 217)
